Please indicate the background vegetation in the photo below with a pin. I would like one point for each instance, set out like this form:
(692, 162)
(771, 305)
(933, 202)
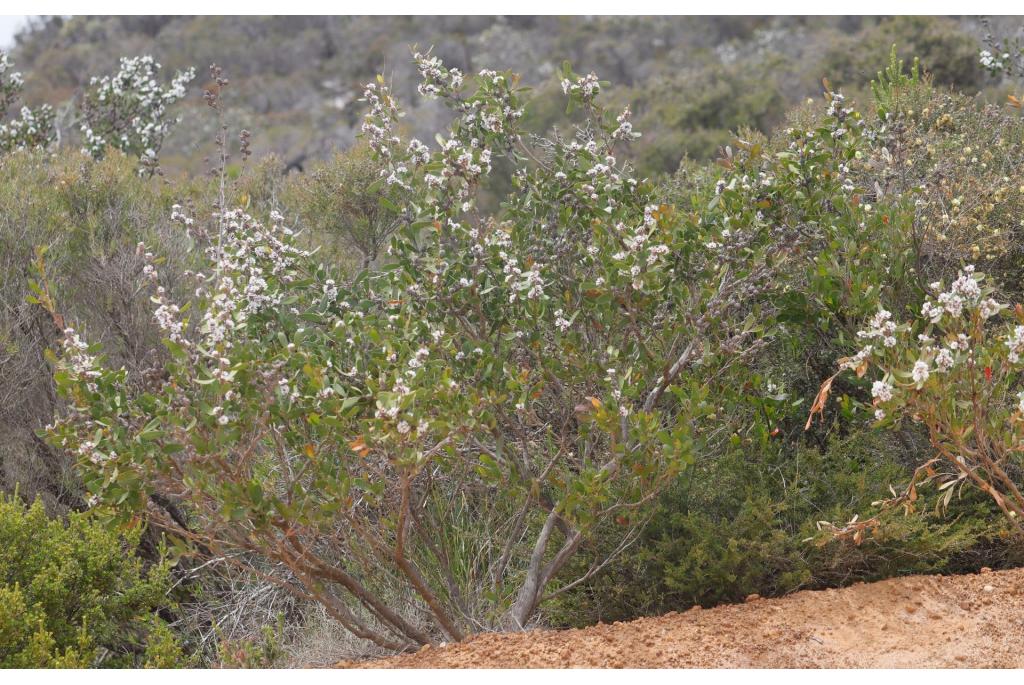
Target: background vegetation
(298, 80)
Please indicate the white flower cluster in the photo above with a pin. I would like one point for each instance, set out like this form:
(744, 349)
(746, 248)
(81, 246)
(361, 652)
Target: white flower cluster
(1015, 343)
(992, 62)
(31, 129)
(379, 121)
(77, 359)
(605, 180)
(489, 115)
(527, 284)
(587, 87)
(964, 303)
(920, 372)
(378, 128)
(245, 260)
(167, 314)
(480, 116)
(625, 128)
(438, 80)
(330, 290)
(944, 360)
(419, 153)
(459, 162)
(493, 110)
(965, 292)
(561, 322)
(11, 83)
(254, 252)
(842, 121)
(854, 362)
(880, 326)
(87, 449)
(186, 221)
(389, 405)
(881, 391)
(128, 111)
(989, 308)
(641, 252)
(835, 105)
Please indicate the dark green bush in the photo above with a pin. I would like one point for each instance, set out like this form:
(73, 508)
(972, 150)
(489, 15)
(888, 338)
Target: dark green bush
(743, 526)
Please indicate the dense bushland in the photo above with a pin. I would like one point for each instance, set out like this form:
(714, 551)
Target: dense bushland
(503, 379)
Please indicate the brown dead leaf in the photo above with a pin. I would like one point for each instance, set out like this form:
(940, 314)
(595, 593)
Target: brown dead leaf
(819, 401)
(359, 446)
(860, 369)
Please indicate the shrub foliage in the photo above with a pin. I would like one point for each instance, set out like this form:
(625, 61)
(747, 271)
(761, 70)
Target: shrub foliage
(523, 382)
(71, 597)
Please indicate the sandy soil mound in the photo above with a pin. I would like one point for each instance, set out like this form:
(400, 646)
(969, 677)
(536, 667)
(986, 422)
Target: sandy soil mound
(917, 621)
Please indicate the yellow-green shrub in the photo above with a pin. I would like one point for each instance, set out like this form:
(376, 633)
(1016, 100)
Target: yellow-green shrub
(74, 595)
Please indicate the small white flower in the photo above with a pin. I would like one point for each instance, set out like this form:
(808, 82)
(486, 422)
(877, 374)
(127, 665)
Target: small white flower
(881, 391)
(560, 321)
(989, 308)
(920, 371)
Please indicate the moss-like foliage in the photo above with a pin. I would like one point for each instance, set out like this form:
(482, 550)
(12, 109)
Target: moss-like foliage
(73, 595)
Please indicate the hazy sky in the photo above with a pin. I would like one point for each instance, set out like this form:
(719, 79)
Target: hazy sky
(9, 25)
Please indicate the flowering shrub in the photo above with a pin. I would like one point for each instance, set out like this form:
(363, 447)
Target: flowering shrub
(11, 83)
(956, 370)
(1002, 55)
(523, 377)
(128, 111)
(740, 520)
(480, 421)
(950, 163)
(997, 64)
(31, 128)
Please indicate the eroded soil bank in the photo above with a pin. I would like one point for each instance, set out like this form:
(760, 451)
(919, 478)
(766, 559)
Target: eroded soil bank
(917, 621)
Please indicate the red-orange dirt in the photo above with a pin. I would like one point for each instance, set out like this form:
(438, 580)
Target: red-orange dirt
(917, 621)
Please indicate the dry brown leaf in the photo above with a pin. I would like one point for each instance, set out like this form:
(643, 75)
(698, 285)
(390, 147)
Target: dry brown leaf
(819, 401)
